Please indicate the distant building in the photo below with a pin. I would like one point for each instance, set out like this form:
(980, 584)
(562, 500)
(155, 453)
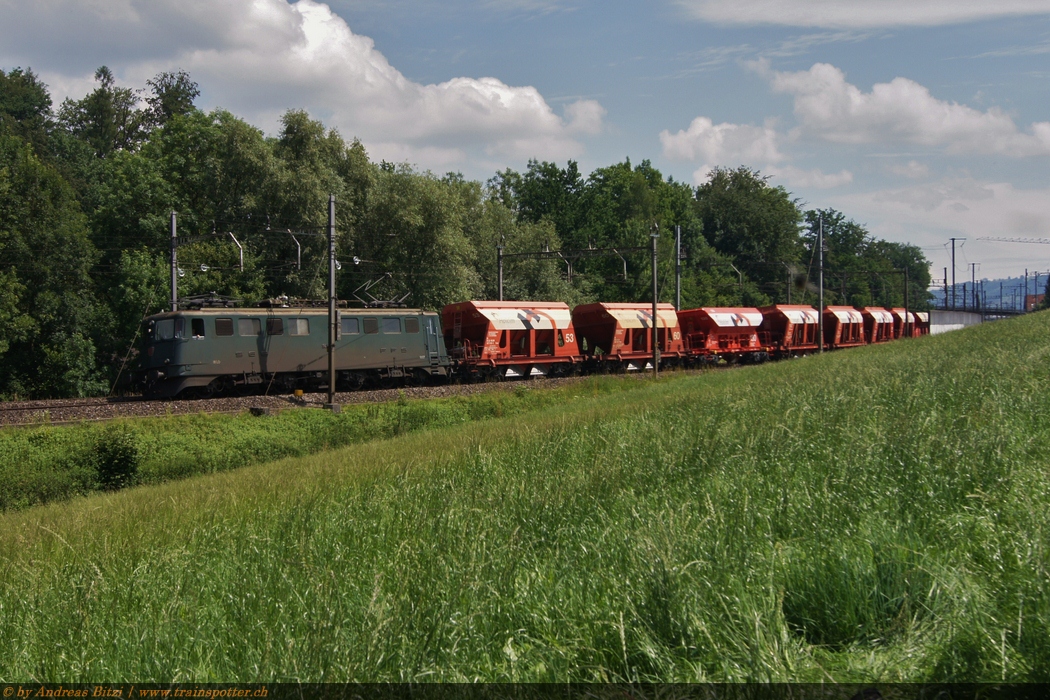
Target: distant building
(1031, 301)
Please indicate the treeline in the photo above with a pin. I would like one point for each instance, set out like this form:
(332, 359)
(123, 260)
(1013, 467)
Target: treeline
(86, 190)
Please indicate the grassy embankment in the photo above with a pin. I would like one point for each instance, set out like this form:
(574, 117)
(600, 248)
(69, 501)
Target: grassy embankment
(50, 463)
(876, 514)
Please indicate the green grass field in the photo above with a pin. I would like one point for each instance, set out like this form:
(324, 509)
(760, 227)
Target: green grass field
(47, 463)
(877, 514)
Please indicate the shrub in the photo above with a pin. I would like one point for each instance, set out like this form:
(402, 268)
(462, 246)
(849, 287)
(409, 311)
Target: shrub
(116, 457)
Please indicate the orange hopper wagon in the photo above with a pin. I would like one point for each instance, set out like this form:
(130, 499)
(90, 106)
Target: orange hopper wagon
(619, 336)
(878, 325)
(790, 330)
(509, 339)
(730, 334)
(843, 327)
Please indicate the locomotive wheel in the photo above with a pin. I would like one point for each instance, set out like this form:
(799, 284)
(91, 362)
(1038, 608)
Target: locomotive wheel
(244, 389)
(207, 391)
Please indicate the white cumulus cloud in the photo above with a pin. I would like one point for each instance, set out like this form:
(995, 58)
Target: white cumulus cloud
(812, 179)
(261, 57)
(858, 13)
(731, 145)
(903, 111)
(722, 144)
(913, 170)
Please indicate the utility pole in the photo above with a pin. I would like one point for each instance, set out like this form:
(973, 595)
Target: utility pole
(331, 405)
(677, 268)
(499, 267)
(820, 286)
(945, 289)
(1024, 300)
(953, 240)
(973, 283)
(907, 315)
(656, 319)
(174, 265)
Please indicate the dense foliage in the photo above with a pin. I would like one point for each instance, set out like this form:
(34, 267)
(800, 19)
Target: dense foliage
(86, 192)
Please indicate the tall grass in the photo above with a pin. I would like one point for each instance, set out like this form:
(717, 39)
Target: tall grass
(50, 463)
(880, 514)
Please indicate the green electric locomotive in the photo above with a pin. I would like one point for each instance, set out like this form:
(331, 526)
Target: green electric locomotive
(219, 351)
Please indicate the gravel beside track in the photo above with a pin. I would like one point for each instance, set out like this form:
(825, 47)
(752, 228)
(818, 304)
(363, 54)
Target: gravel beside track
(98, 409)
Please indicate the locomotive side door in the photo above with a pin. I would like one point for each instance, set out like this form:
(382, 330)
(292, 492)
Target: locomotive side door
(431, 341)
(162, 336)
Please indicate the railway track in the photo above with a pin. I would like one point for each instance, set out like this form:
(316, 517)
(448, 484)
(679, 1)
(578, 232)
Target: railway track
(64, 411)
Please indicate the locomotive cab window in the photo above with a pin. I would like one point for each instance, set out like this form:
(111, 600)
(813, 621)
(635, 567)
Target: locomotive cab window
(197, 327)
(411, 325)
(275, 326)
(391, 325)
(351, 326)
(249, 326)
(371, 326)
(224, 326)
(164, 330)
(298, 326)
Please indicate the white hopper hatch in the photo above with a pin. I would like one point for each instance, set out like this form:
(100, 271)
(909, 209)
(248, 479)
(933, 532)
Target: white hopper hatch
(881, 316)
(900, 314)
(526, 318)
(848, 316)
(730, 319)
(800, 316)
(639, 318)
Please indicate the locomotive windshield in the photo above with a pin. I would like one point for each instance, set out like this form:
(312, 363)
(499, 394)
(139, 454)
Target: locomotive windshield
(164, 329)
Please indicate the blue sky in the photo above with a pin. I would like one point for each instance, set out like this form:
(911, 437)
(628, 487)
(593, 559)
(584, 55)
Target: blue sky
(922, 119)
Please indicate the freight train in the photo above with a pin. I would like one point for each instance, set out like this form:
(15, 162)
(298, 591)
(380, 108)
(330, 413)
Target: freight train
(203, 351)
